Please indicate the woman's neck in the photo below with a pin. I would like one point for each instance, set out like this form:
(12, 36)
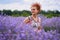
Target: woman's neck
(34, 16)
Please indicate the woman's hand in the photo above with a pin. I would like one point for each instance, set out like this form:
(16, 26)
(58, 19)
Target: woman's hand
(37, 31)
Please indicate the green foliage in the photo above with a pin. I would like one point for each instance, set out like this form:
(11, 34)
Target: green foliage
(48, 13)
(49, 28)
(25, 13)
(7, 12)
(16, 13)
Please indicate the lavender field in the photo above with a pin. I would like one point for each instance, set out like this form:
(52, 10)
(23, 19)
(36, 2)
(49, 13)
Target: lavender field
(13, 28)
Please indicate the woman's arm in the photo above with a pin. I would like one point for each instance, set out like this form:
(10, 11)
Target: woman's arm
(26, 20)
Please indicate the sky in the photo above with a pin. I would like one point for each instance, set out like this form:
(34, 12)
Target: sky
(26, 4)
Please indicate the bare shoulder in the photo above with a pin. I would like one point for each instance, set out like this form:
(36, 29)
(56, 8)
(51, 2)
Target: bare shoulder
(26, 20)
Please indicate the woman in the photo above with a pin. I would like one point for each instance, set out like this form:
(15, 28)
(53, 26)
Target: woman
(34, 20)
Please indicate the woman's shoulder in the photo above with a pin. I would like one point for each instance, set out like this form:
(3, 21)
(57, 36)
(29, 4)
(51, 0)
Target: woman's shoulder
(27, 19)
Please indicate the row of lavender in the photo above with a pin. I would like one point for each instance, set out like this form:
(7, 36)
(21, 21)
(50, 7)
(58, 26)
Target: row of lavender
(13, 28)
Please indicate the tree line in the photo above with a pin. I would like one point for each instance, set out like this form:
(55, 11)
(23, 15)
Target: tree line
(48, 13)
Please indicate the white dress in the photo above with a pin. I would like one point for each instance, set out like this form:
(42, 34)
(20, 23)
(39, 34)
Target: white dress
(34, 24)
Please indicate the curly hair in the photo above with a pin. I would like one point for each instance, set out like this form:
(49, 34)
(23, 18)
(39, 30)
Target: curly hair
(37, 5)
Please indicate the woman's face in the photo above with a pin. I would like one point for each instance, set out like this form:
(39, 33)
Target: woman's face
(34, 10)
